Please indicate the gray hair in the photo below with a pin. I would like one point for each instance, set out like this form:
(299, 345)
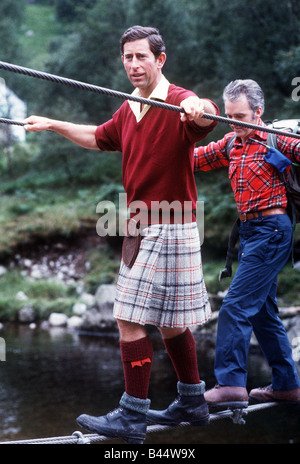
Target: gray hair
(249, 88)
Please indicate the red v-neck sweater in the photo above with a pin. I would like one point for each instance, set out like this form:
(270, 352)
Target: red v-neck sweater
(158, 151)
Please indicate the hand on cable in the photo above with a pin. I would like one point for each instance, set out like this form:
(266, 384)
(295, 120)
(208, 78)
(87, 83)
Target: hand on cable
(193, 109)
(36, 124)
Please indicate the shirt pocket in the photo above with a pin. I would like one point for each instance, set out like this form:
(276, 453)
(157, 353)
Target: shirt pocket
(258, 176)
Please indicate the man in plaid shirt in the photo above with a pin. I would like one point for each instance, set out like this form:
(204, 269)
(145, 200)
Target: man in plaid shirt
(265, 245)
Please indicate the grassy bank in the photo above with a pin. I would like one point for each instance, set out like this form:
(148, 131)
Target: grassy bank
(27, 215)
(45, 296)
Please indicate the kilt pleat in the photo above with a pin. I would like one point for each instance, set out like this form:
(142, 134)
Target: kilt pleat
(165, 286)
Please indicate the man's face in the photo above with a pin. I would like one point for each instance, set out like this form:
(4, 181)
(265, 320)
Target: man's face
(241, 111)
(142, 68)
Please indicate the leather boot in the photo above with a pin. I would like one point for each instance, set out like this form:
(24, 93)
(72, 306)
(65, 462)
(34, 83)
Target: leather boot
(189, 406)
(268, 394)
(128, 421)
(227, 397)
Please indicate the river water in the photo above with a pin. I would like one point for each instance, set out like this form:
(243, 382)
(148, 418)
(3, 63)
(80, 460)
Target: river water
(52, 376)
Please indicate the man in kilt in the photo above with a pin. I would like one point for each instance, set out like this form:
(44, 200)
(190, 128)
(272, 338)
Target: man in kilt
(164, 286)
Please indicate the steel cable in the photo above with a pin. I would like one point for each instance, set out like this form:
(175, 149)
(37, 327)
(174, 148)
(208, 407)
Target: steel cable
(79, 438)
(12, 122)
(125, 96)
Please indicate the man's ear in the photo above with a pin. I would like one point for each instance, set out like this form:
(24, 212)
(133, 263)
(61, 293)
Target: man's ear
(259, 112)
(161, 60)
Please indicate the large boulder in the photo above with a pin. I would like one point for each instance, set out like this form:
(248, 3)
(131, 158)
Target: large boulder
(26, 315)
(58, 320)
(100, 316)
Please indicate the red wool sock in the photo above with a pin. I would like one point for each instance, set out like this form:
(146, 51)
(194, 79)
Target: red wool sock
(137, 360)
(182, 351)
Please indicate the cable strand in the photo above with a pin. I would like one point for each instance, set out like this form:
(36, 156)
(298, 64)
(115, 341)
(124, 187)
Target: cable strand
(125, 96)
(79, 438)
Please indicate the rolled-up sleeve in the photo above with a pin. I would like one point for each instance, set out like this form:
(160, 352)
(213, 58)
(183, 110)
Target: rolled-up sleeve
(212, 156)
(107, 137)
(290, 147)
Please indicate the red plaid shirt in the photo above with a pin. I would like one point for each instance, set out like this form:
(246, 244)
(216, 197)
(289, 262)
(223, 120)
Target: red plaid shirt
(255, 183)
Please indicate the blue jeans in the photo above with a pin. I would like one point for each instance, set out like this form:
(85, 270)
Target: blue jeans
(250, 304)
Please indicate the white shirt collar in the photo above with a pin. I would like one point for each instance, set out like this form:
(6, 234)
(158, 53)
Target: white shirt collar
(159, 93)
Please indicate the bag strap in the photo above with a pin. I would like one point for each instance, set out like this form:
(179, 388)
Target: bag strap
(229, 146)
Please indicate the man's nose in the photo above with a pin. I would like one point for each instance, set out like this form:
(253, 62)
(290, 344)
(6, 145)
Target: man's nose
(135, 62)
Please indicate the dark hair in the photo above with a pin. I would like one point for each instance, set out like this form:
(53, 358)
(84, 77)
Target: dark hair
(156, 43)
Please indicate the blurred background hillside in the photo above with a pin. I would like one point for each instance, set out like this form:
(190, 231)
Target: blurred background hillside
(50, 188)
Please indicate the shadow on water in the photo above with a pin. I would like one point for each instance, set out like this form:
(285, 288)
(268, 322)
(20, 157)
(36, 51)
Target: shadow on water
(51, 376)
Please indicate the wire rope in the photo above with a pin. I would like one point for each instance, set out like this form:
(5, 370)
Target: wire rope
(125, 96)
(78, 438)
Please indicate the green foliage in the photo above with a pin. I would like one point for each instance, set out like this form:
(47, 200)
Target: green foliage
(31, 214)
(11, 16)
(288, 285)
(287, 66)
(40, 28)
(68, 11)
(104, 268)
(207, 46)
(43, 295)
(243, 40)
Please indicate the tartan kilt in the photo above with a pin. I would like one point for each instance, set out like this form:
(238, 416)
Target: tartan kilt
(165, 286)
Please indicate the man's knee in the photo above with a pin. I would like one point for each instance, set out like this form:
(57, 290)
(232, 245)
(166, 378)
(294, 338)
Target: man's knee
(130, 331)
(170, 332)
